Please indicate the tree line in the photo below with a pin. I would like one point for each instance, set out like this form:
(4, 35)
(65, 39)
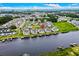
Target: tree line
(5, 19)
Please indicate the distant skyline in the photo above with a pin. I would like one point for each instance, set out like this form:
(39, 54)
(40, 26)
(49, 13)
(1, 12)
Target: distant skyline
(39, 5)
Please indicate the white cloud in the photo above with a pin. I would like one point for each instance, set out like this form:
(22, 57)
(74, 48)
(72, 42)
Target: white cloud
(49, 6)
(54, 5)
(57, 6)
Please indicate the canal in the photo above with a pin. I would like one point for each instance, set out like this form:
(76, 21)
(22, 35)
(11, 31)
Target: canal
(35, 46)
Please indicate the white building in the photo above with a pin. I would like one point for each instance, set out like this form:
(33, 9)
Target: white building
(63, 18)
(47, 30)
(6, 31)
(26, 32)
(48, 24)
(34, 31)
(41, 31)
(54, 29)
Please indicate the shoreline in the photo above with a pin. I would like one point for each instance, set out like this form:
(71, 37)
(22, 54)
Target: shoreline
(72, 50)
(32, 36)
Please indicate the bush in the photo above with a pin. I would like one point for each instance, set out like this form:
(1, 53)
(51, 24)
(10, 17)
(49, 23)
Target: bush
(13, 27)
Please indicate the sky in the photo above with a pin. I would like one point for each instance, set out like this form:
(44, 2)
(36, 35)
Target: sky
(39, 5)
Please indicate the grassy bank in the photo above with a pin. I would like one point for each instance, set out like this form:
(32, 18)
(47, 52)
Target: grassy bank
(65, 27)
(71, 51)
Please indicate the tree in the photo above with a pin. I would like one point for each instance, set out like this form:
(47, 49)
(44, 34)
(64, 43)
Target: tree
(13, 27)
(52, 18)
(69, 15)
(5, 19)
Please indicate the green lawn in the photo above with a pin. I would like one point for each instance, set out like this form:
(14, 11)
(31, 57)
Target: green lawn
(65, 26)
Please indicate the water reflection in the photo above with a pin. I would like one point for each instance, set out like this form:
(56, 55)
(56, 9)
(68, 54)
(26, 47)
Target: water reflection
(34, 46)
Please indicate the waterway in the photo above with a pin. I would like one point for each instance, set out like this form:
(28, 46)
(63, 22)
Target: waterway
(35, 46)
